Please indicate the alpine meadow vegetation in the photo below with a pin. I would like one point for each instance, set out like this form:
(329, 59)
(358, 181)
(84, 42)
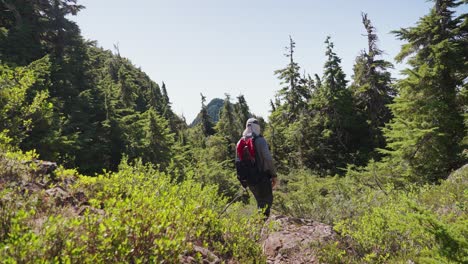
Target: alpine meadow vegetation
(96, 167)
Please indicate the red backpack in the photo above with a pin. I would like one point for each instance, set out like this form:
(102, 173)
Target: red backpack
(246, 149)
(246, 165)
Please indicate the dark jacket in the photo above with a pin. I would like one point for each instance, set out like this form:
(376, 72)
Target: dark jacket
(263, 156)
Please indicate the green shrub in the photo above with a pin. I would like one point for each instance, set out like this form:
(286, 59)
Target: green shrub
(427, 225)
(327, 200)
(135, 215)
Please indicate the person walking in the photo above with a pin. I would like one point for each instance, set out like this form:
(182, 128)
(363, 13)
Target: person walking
(254, 164)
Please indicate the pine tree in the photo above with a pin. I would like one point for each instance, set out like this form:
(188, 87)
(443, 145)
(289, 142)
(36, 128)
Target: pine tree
(427, 128)
(290, 104)
(242, 113)
(328, 141)
(226, 126)
(159, 140)
(98, 100)
(373, 91)
(294, 93)
(175, 123)
(206, 123)
(275, 133)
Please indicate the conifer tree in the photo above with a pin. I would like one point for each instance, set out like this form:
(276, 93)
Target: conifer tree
(372, 89)
(159, 140)
(175, 123)
(427, 129)
(294, 93)
(290, 104)
(156, 98)
(276, 136)
(226, 126)
(329, 131)
(98, 100)
(242, 113)
(206, 123)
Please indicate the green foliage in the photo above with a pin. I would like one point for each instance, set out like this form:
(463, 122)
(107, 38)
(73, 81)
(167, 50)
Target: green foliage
(206, 123)
(86, 107)
(226, 125)
(135, 215)
(81, 106)
(214, 166)
(373, 91)
(332, 131)
(425, 225)
(379, 216)
(21, 108)
(327, 200)
(295, 92)
(425, 135)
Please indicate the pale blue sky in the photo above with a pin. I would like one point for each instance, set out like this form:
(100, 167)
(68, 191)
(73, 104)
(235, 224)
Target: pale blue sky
(216, 47)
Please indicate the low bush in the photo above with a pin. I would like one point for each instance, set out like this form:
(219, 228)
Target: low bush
(424, 225)
(136, 215)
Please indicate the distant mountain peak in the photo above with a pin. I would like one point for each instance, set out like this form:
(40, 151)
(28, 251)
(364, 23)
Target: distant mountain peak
(213, 108)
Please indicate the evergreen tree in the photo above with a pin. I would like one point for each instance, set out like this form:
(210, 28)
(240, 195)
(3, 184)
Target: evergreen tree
(275, 133)
(176, 123)
(295, 94)
(33, 29)
(290, 104)
(242, 113)
(206, 123)
(226, 132)
(226, 126)
(98, 100)
(165, 97)
(329, 137)
(159, 140)
(372, 90)
(427, 129)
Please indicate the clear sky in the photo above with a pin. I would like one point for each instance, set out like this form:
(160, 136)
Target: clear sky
(218, 46)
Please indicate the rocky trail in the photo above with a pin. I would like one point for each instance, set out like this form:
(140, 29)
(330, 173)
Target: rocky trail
(290, 240)
(294, 240)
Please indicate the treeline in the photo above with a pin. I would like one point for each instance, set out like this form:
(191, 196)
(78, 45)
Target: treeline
(86, 107)
(412, 128)
(414, 125)
(73, 102)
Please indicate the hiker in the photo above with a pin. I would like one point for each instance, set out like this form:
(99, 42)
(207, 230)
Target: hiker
(254, 165)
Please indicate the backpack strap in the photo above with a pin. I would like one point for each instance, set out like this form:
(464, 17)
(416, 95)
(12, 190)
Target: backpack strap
(254, 138)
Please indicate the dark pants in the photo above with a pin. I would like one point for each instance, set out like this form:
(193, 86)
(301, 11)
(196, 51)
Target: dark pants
(263, 194)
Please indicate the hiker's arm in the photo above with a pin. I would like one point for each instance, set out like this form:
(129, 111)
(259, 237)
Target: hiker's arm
(265, 156)
(237, 157)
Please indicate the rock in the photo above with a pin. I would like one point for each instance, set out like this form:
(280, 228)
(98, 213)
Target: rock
(294, 241)
(207, 256)
(31, 187)
(460, 175)
(86, 208)
(61, 196)
(45, 167)
(57, 191)
(80, 197)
